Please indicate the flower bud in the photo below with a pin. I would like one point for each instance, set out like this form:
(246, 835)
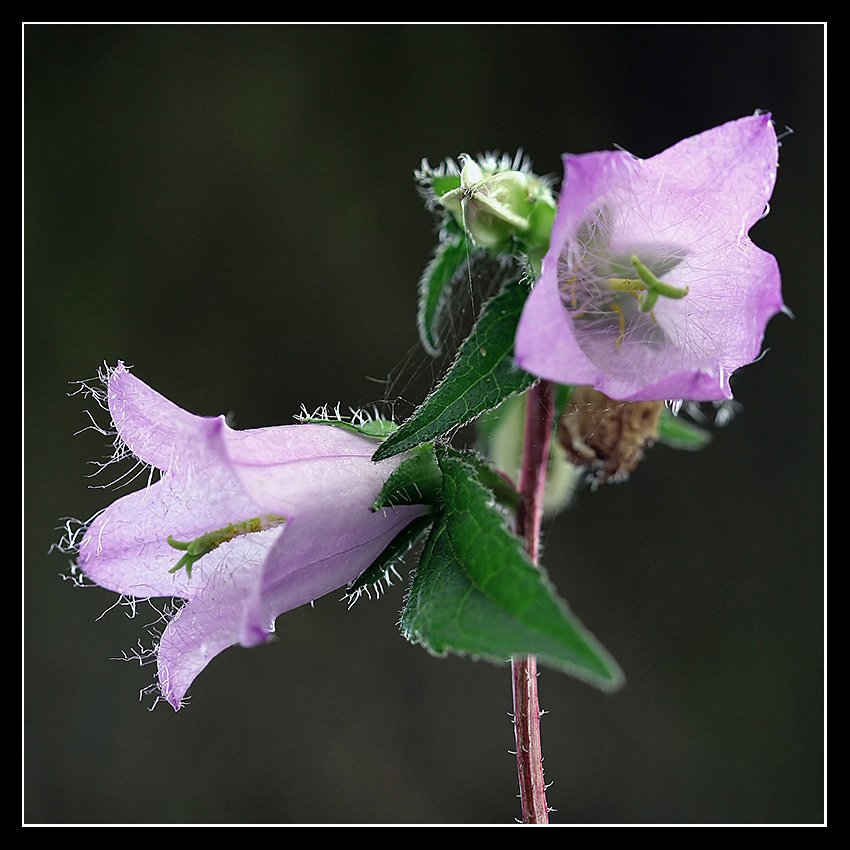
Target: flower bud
(502, 209)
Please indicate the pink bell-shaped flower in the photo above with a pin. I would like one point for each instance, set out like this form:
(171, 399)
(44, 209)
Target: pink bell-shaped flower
(265, 520)
(651, 288)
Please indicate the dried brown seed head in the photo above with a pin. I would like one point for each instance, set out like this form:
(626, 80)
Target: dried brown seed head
(607, 436)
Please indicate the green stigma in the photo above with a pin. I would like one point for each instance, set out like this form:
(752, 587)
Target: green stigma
(647, 283)
(200, 546)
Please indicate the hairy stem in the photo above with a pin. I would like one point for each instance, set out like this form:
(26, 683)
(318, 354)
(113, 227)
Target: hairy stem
(532, 477)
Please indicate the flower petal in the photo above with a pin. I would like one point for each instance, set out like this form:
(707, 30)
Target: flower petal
(210, 622)
(317, 554)
(125, 549)
(156, 430)
(285, 469)
(324, 481)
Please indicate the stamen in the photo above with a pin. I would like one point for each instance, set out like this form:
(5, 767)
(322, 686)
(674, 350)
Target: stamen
(621, 320)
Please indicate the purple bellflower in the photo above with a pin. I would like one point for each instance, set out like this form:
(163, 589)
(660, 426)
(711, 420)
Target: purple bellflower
(651, 288)
(243, 525)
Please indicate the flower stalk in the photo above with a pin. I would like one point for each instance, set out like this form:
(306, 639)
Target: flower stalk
(532, 478)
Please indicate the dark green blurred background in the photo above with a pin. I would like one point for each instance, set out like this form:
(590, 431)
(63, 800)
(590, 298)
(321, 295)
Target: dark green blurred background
(231, 210)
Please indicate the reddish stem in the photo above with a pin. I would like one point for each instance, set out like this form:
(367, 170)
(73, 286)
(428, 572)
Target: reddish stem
(532, 478)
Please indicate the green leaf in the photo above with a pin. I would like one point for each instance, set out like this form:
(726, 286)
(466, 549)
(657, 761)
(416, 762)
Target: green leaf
(481, 377)
(442, 183)
(681, 434)
(501, 487)
(476, 592)
(436, 284)
(415, 481)
(377, 429)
